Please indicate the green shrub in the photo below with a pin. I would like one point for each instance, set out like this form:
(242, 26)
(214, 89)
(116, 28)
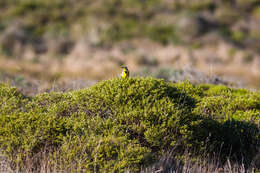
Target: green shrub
(125, 124)
(122, 29)
(163, 34)
(226, 15)
(11, 99)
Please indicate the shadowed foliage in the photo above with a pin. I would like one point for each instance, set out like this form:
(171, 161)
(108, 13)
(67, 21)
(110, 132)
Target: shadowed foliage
(126, 124)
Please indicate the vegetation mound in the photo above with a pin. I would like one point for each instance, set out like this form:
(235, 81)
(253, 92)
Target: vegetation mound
(128, 124)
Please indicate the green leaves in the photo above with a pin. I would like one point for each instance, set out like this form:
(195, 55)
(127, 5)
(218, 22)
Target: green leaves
(124, 124)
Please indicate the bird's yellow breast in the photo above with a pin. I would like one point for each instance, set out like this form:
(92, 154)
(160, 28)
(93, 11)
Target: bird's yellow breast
(125, 73)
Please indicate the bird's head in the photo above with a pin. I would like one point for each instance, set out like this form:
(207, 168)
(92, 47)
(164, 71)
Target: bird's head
(124, 67)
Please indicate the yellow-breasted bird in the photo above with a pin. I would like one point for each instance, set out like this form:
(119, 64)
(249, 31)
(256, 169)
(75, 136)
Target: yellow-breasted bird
(125, 72)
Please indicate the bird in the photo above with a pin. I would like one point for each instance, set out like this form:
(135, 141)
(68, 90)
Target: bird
(125, 72)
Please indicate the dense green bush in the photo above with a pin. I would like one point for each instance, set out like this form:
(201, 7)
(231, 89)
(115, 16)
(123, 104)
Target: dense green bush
(11, 99)
(125, 124)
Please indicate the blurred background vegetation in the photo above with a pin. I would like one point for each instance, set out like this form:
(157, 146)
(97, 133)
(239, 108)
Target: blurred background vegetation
(80, 41)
